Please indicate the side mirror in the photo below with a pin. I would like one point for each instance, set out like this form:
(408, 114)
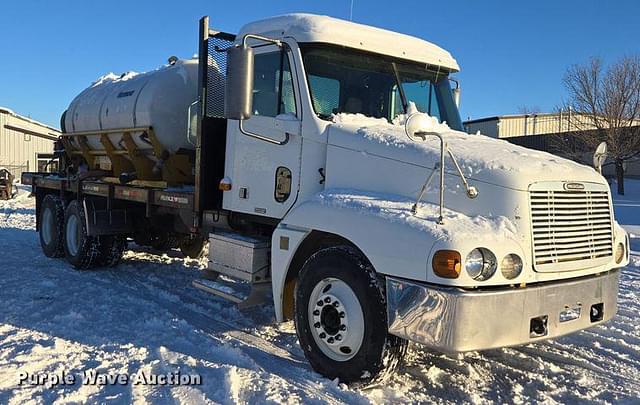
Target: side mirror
(599, 156)
(238, 98)
(417, 126)
(456, 96)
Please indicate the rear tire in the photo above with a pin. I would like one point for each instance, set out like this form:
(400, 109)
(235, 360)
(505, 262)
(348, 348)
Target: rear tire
(80, 249)
(341, 317)
(194, 248)
(112, 248)
(51, 226)
(164, 243)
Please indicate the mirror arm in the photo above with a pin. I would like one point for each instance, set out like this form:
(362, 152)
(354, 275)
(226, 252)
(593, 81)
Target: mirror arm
(260, 38)
(244, 42)
(472, 192)
(414, 209)
(264, 138)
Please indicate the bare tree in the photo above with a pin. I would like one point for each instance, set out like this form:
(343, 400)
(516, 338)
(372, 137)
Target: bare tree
(529, 110)
(604, 105)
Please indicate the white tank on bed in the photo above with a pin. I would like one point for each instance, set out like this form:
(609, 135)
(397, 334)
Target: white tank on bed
(158, 99)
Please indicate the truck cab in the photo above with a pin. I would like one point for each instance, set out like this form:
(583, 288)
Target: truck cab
(331, 175)
(525, 247)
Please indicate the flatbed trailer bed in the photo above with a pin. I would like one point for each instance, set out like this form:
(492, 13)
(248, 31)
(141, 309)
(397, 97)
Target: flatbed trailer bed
(171, 197)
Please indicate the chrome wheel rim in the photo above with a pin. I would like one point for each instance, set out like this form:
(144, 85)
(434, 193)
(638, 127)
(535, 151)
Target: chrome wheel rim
(72, 235)
(47, 226)
(336, 319)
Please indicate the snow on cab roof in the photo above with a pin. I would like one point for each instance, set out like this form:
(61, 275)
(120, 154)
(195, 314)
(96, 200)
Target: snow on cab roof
(325, 29)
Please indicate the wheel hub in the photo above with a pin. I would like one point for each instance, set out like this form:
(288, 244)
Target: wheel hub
(336, 319)
(330, 320)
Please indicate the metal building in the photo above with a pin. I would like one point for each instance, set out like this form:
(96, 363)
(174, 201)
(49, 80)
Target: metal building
(508, 126)
(534, 130)
(25, 144)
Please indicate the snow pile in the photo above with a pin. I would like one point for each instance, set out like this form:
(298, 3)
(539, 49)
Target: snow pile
(360, 119)
(397, 209)
(112, 77)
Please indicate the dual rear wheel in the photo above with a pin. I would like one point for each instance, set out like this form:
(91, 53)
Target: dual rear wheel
(63, 232)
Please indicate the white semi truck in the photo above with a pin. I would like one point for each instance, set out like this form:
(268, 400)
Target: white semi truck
(324, 164)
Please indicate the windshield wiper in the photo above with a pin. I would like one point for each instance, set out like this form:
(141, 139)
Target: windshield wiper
(405, 105)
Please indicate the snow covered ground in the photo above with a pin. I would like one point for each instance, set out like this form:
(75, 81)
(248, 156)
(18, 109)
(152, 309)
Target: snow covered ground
(146, 316)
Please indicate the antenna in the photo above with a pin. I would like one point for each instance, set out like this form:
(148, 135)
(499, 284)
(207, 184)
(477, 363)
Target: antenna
(351, 11)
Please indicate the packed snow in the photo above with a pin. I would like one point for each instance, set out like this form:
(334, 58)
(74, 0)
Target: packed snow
(145, 317)
(112, 77)
(395, 208)
(481, 157)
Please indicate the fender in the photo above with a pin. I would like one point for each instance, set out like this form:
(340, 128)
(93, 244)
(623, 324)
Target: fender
(393, 248)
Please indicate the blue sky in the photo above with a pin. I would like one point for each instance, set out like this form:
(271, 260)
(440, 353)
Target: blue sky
(512, 53)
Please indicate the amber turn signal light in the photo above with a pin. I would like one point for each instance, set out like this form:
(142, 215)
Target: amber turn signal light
(224, 185)
(446, 263)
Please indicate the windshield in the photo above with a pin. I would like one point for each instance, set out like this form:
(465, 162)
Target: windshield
(345, 80)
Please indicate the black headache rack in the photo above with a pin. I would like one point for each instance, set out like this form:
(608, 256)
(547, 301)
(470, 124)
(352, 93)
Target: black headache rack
(212, 129)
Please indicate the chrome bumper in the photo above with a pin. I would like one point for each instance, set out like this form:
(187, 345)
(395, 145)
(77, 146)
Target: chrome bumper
(457, 320)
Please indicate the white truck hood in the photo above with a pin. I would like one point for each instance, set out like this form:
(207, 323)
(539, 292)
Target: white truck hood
(481, 158)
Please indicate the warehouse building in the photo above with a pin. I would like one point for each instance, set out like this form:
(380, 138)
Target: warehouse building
(519, 125)
(25, 144)
(540, 132)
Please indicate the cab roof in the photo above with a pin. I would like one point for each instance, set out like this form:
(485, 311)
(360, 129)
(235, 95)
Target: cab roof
(324, 29)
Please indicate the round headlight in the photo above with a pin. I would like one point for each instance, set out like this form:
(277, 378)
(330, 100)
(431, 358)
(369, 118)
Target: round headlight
(619, 255)
(511, 266)
(480, 264)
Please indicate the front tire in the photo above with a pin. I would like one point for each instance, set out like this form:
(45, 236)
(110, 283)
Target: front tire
(80, 249)
(51, 226)
(341, 317)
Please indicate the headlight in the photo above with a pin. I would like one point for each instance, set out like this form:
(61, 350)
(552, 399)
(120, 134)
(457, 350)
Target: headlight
(511, 266)
(619, 255)
(480, 264)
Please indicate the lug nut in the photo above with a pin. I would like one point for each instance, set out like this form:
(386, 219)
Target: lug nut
(316, 312)
(343, 327)
(327, 300)
(330, 340)
(323, 335)
(338, 337)
(341, 314)
(320, 303)
(336, 304)
(316, 325)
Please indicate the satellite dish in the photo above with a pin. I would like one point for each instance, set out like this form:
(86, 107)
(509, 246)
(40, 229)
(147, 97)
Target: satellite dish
(599, 156)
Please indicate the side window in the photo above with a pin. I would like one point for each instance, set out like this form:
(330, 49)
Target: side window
(272, 85)
(325, 94)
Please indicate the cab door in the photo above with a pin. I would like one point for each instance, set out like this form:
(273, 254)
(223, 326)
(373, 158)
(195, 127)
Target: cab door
(266, 148)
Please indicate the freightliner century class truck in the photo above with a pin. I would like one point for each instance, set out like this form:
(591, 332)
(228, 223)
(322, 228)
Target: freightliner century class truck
(324, 164)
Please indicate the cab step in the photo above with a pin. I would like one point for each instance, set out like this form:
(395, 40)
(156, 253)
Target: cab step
(245, 264)
(244, 294)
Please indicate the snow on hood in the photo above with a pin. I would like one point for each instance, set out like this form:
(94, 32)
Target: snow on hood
(481, 157)
(395, 208)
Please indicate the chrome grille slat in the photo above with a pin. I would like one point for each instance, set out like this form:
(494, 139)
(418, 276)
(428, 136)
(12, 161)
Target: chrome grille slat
(570, 227)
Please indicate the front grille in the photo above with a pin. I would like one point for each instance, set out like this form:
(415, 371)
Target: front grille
(570, 227)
